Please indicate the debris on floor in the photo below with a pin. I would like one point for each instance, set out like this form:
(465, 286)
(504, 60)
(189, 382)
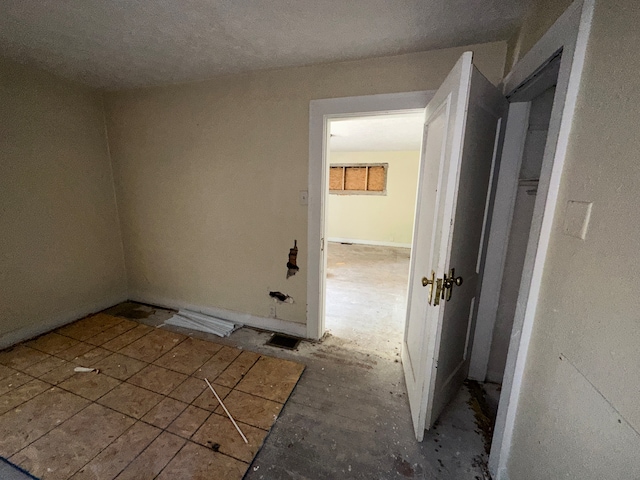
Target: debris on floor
(203, 323)
(292, 265)
(282, 297)
(86, 370)
(481, 411)
(227, 412)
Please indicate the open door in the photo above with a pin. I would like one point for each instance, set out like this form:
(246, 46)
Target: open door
(461, 125)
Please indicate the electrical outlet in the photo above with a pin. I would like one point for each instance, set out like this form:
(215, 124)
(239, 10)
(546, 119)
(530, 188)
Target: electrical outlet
(272, 311)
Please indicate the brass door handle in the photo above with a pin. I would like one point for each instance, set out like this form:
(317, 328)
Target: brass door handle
(449, 282)
(429, 282)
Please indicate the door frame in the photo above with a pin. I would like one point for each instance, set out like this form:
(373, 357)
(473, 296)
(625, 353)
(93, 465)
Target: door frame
(320, 113)
(570, 34)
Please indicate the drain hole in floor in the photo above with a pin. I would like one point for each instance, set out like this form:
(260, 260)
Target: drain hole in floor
(283, 341)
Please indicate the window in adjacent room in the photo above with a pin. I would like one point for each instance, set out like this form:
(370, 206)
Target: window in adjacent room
(358, 178)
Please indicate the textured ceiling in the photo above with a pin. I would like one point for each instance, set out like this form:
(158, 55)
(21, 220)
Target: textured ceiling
(128, 43)
(394, 132)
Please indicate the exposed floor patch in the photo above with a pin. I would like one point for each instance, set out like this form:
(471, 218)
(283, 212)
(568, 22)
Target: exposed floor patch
(131, 310)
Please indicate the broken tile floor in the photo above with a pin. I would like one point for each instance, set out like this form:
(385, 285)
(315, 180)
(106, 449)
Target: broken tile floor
(348, 416)
(147, 414)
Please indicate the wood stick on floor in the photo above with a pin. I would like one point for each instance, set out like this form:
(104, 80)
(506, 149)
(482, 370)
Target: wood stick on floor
(227, 412)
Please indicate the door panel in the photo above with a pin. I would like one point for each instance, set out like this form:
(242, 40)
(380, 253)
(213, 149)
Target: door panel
(460, 138)
(415, 331)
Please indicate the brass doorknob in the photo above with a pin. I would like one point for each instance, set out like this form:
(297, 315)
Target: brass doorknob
(430, 283)
(449, 282)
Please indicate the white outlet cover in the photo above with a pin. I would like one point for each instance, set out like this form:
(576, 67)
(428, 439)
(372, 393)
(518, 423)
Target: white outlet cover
(576, 218)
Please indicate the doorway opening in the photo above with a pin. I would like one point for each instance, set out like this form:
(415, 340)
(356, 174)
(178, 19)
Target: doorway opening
(513, 226)
(372, 170)
(514, 273)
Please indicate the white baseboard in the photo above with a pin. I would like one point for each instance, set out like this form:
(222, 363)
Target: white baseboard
(369, 242)
(51, 323)
(264, 323)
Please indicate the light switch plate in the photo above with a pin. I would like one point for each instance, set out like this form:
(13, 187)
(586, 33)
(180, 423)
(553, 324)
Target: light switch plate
(576, 218)
(304, 197)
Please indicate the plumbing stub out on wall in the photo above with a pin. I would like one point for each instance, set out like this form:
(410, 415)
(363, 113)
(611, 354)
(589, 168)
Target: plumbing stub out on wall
(292, 266)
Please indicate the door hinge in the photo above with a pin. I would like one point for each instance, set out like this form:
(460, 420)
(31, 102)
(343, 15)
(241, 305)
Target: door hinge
(322, 244)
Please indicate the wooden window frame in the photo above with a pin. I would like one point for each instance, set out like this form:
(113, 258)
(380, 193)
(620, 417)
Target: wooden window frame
(385, 166)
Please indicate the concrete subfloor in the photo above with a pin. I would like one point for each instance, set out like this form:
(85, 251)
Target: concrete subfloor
(367, 296)
(349, 417)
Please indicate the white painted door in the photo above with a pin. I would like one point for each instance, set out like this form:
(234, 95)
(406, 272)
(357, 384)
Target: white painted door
(461, 124)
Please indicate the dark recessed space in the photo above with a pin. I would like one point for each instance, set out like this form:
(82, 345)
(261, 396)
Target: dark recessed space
(283, 341)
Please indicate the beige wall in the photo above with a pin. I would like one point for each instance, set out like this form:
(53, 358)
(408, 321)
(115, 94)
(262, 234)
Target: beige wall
(60, 245)
(208, 175)
(537, 21)
(377, 218)
(579, 416)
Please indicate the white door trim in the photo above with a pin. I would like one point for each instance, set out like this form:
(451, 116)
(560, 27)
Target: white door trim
(320, 112)
(570, 33)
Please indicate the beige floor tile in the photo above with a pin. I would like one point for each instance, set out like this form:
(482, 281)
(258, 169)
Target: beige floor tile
(207, 400)
(113, 332)
(157, 379)
(272, 378)
(119, 366)
(153, 345)
(65, 449)
(80, 330)
(114, 459)
(27, 422)
(165, 412)
(154, 458)
(130, 400)
(59, 374)
(188, 390)
(237, 370)
(45, 366)
(90, 358)
(89, 385)
(104, 440)
(256, 411)
(13, 381)
(219, 434)
(22, 394)
(126, 338)
(188, 422)
(6, 371)
(218, 363)
(89, 327)
(76, 351)
(52, 343)
(188, 356)
(20, 357)
(195, 462)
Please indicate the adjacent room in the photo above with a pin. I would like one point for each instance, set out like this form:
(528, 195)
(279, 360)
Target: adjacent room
(373, 171)
(319, 240)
